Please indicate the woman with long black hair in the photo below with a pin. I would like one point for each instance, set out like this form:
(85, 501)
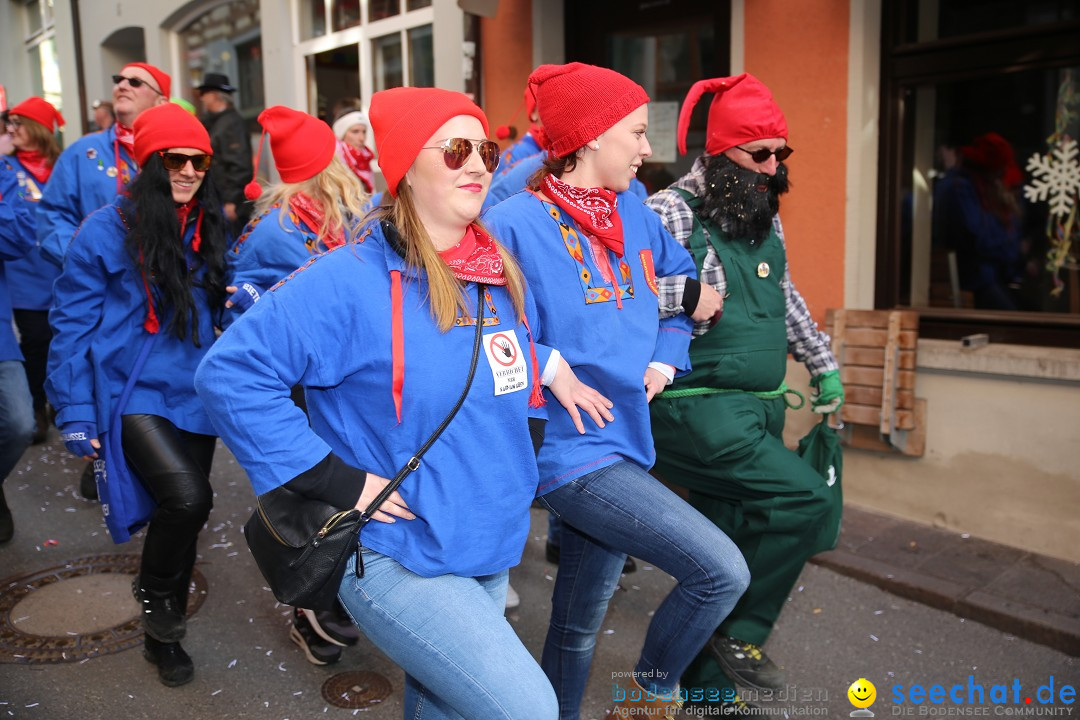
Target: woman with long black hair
(133, 313)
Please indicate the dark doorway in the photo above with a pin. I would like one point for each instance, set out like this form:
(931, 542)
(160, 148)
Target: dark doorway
(666, 46)
(337, 76)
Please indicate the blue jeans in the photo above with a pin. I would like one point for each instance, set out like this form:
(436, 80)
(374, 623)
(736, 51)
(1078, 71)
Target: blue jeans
(16, 415)
(620, 510)
(461, 658)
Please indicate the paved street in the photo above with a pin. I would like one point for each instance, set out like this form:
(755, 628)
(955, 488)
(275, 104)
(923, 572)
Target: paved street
(834, 630)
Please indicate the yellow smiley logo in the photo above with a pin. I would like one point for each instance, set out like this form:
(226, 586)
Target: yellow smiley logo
(862, 693)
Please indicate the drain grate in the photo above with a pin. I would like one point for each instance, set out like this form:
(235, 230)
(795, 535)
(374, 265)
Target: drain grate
(356, 689)
(19, 646)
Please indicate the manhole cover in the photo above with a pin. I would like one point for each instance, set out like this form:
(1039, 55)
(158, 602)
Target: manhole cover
(356, 689)
(75, 611)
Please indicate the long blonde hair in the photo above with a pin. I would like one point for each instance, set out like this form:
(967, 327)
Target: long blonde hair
(444, 290)
(336, 188)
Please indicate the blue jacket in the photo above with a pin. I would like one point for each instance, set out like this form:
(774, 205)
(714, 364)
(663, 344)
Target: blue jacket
(16, 240)
(31, 277)
(515, 179)
(523, 148)
(99, 306)
(608, 347)
(84, 178)
(328, 328)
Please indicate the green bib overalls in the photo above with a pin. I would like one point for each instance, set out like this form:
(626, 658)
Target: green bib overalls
(726, 447)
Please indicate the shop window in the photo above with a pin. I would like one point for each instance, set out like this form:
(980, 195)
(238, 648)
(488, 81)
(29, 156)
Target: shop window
(312, 19)
(974, 232)
(421, 57)
(386, 61)
(379, 9)
(417, 4)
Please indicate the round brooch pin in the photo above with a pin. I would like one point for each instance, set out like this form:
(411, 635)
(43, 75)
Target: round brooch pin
(763, 270)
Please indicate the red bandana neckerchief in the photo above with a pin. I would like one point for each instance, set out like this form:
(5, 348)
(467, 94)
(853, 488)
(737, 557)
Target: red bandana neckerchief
(35, 164)
(126, 137)
(595, 210)
(182, 213)
(475, 258)
(359, 161)
(310, 211)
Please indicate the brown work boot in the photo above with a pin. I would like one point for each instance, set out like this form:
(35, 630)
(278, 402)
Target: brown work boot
(637, 702)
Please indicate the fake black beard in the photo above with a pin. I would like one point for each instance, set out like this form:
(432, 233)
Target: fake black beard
(734, 198)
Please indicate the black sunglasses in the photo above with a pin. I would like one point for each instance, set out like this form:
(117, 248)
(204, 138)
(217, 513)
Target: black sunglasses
(763, 154)
(177, 161)
(135, 83)
(456, 152)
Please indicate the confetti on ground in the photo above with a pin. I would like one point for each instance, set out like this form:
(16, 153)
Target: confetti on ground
(214, 693)
(817, 611)
(232, 664)
(609, 632)
(878, 612)
(874, 638)
(801, 588)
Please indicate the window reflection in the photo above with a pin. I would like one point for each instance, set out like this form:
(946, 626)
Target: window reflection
(421, 57)
(379, 9)
(386, 61)
(417, 4)
(346, 14)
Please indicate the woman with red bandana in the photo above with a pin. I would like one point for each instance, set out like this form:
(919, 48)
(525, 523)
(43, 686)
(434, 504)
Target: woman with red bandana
(591, 252)
(351, 132)
(134, 311)
(316, 207)
(381, 333)
(32, 124)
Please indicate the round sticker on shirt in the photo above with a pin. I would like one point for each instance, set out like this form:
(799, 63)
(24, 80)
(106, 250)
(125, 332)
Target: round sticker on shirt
(112, 171)
(506, 361)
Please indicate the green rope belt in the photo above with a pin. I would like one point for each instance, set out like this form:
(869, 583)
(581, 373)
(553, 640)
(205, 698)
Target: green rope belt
(782, 391)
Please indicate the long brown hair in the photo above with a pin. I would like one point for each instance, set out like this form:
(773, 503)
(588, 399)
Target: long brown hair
(444, 290)
(42, 139)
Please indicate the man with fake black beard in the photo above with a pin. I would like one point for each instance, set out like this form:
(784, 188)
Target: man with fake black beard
(718, 430)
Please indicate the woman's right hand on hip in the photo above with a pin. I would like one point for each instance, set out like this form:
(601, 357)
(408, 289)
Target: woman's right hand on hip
(392, 507)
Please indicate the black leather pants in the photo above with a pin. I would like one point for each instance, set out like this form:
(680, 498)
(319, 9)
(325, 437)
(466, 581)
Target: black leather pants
(174, 465)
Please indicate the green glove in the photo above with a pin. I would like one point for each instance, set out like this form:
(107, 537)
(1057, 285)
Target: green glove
(830, 393)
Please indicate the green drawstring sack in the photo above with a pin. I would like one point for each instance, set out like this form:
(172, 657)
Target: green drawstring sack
(821, 450)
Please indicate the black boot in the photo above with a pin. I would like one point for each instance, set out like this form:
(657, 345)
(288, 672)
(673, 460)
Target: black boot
(163, 617)
(174, 665)
(7, 524)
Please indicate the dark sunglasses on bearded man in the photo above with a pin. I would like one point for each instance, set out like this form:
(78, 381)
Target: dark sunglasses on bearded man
(763, 154)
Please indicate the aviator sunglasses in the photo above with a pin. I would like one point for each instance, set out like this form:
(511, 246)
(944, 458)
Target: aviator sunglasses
(135, 83)
(177, 161)
(456, 152)
(762, 155)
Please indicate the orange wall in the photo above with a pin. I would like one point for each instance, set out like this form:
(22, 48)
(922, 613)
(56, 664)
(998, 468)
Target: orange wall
(800, 50)
(506, 61)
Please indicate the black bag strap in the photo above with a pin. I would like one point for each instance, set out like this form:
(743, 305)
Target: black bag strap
(414, 462)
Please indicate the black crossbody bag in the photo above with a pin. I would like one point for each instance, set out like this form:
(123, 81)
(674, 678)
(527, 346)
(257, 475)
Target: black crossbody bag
(302, 545)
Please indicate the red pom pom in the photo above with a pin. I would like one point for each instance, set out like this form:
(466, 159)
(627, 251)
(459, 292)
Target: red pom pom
(252, 190)
(503, 132)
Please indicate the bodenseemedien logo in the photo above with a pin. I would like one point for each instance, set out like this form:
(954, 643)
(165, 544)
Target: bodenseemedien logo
(862, 694)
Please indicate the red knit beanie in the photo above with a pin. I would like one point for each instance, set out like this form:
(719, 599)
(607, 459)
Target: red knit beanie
(40, 111)
(578, 102)
(303, 145)
(168, 126)
(404, 118)
(163, 81)
(743, 110)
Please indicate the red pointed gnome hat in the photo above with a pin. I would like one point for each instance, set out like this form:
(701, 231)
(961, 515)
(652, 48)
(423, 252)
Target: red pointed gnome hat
(742, 110)
(404, 118)
(302, 145)
(168, 126)
(40, 111)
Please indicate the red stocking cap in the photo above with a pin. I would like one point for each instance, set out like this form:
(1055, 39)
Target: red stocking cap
(253, 189)
(742, 111)
(160, 77)
(40, 111)
(168, 126)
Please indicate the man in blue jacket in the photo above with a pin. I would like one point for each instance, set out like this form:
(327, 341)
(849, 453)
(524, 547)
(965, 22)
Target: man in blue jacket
(96, 167)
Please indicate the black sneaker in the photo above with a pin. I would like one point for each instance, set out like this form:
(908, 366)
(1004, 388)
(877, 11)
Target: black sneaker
(335, 626)
(746, 663)
(317, 650)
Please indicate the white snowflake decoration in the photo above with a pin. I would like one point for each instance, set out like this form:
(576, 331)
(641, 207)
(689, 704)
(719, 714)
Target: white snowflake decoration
(1056, 178)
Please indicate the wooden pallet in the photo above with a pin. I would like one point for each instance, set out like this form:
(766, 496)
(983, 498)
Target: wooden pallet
(876, 352)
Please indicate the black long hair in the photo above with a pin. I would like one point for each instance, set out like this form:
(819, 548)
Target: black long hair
(156, 247)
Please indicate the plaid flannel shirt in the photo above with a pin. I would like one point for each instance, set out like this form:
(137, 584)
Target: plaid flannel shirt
(806, 342)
